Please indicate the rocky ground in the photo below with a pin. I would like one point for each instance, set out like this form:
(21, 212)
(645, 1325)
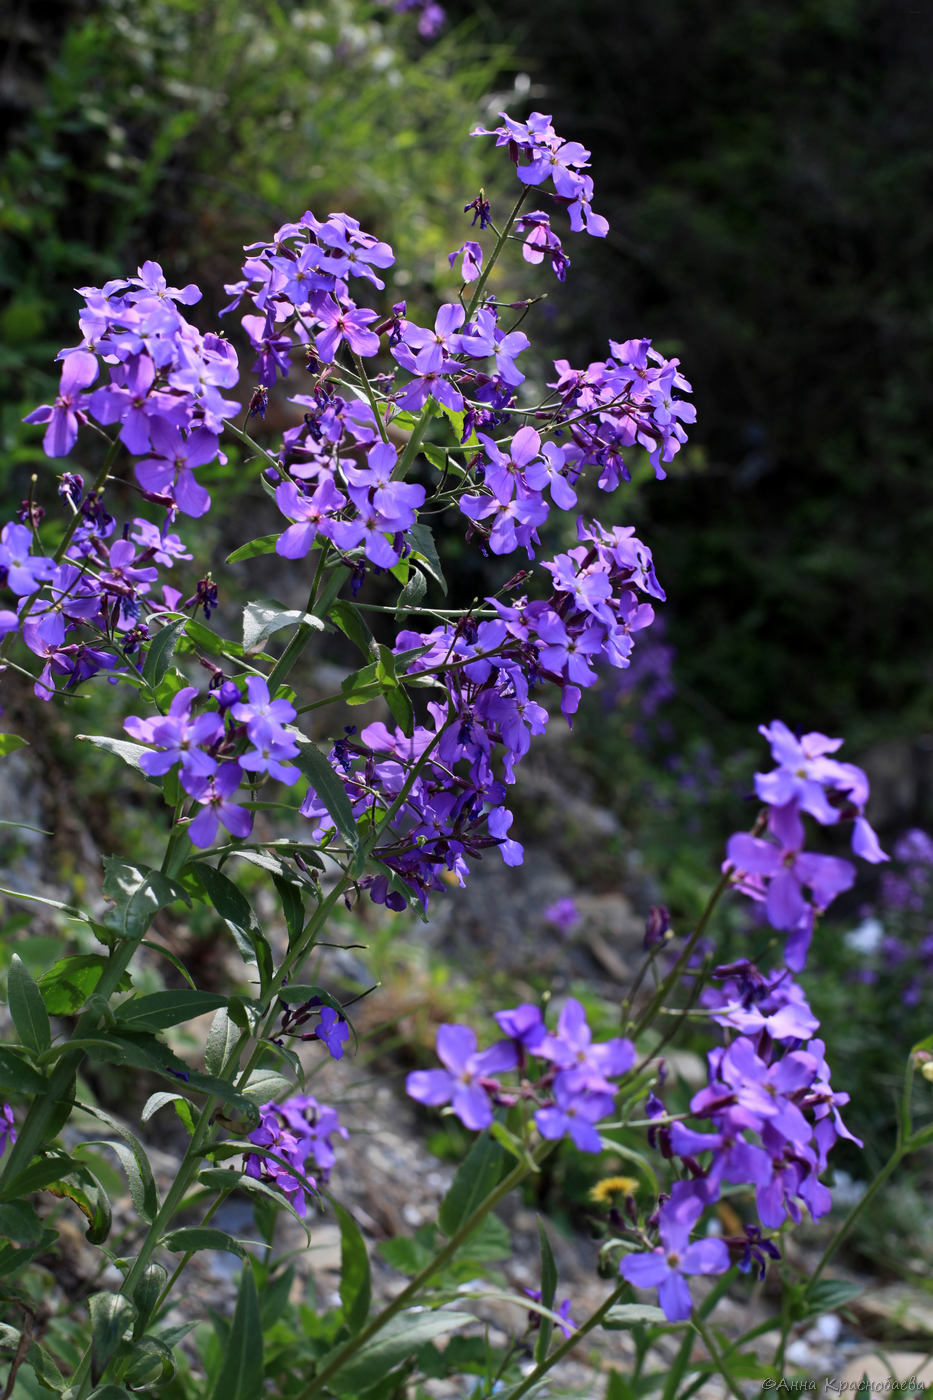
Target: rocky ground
(495, 931)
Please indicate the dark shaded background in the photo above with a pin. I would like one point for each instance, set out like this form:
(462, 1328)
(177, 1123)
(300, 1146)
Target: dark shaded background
(765, 169)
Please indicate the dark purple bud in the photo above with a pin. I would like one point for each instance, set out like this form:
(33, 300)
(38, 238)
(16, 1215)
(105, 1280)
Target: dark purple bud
(656, 927)
(259, 402)
(228, 693)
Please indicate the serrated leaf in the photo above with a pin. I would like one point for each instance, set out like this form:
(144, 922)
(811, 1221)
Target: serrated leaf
(263, 544)
(138, 894)
(421, 539)
(160, 652)
(548, 1289)
(160, 1010)
(241, 1375)
(478, 1174)
(221, 1039)
(398, 1340)
(9, 743)
(202, 1237)
(355, 1283)
(111, 1315)
(30, 1018)
(261, 620)
(330, 790)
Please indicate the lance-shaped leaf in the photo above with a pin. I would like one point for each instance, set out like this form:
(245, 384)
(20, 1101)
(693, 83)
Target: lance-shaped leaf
(160, 1010)
(111, 1315)
(241, 1375)
(355, 1285)
(398, 1340)
(264, 544)
(161, 650)
(30, 1018)
(330, 790)
(548, 1289)
(478, 1174)
(235, 910)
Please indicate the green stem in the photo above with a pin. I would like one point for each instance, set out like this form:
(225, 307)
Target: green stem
(364, 377)
(494, 255)
(411, 1291)
(567, 1345)
(316, 607)
(717, 1356)
(890, 1166)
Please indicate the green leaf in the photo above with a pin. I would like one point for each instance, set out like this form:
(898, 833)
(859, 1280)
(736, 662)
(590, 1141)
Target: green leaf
(161, 650)
(548, 1289)
(263, 544)
(267, 1086)
(9, 743)
(202, 1237)
(146, 1295)
(160, 1010)
(827, 1295)
(421, 539)
(19, 1223)
(46, 1371)
(400, 705)
(236, 912)
(83, 1188)
(261, 620)
(412, 594)
(18, 1077)
(221, 1038)
(68, 983)
(208, 641)
(625, 1315)
(30, 1018)
(330, 790)
(130, 753)
(352, 624)
(398, 1340)
(241, 1375)
(135, 1163)
(355, 1284)
(138, 894)
(293, 908)
(479, 1173)
(182, 1108)
(111, 1315)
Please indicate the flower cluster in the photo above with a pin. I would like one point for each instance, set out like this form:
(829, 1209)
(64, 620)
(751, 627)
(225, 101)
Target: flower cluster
(796, 885)
(297, 1138)
(164, 389)
(572, 1093)
(549, 157)
(216, 748)
(489, 670)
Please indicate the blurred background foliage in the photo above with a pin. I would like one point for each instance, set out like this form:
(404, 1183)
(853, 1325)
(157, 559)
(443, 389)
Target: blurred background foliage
(766, 171)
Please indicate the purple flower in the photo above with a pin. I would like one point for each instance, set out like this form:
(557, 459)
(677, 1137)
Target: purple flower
(169, 470)
(25, 572)
(79, 370)
(345, 322)
(665, 1266)
(472, 260)
(563, 914)
(214, 793)
(7, 1128)
(461, 1083)
(333, 1030)
(573, 1114)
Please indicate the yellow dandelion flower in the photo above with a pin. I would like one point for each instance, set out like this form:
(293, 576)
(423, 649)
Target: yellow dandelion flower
(611, 1187)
